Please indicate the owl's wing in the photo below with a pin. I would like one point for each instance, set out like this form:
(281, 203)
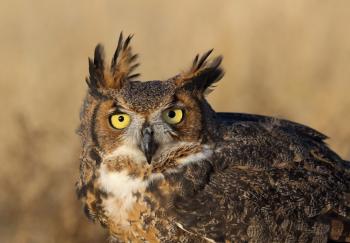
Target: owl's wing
(277, 137)
(229, 119)
(270, 180)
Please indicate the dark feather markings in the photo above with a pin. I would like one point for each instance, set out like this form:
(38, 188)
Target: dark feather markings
(123, 61)
(99, 57)
(201, 62)
(96, 70)
(102, 81)
(117, 51)
(202, 74)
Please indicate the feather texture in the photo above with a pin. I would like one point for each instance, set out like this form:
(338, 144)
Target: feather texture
(212, 177)
(103, 81)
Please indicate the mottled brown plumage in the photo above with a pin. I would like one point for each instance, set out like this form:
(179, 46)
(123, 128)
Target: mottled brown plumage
(209, 177)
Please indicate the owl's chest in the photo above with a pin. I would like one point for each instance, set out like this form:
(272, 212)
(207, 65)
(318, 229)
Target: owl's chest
(121, 193)
(136, 201)
(126, 206)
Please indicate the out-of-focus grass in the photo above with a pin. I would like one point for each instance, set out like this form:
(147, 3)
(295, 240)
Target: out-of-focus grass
(289, 59)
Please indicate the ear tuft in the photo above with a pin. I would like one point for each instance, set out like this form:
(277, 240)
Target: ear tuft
(102, 80)
(123, 62)
(202, 74)
(96, 71)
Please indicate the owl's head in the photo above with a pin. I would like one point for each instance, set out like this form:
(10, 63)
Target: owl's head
(152, 123)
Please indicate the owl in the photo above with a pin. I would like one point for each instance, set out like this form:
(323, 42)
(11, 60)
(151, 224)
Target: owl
(158, 164)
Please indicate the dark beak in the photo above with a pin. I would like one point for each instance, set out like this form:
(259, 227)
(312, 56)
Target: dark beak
(148, 145)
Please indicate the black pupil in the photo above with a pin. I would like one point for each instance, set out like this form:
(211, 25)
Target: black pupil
(121, 118)
(171, 114)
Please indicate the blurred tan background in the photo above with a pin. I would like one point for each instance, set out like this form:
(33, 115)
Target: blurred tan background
(288, 59)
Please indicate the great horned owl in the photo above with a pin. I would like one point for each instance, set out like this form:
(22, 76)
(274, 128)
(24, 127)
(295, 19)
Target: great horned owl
(158, 164)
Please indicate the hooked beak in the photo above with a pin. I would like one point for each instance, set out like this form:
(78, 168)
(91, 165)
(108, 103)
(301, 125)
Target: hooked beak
(148, 146)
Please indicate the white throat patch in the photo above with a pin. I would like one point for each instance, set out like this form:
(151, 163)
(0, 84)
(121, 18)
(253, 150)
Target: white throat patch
(126, 150)
(121, 188)
(206, 153)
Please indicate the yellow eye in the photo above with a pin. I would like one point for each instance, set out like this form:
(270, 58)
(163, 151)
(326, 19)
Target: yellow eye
(173, 115)
(119, 121)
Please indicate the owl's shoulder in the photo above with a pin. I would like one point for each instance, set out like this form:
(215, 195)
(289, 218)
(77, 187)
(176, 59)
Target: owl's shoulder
(262, 141)
(251, 124)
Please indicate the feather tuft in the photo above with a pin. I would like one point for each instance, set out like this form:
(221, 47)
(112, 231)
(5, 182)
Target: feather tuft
(102, 80)
(202, 74)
